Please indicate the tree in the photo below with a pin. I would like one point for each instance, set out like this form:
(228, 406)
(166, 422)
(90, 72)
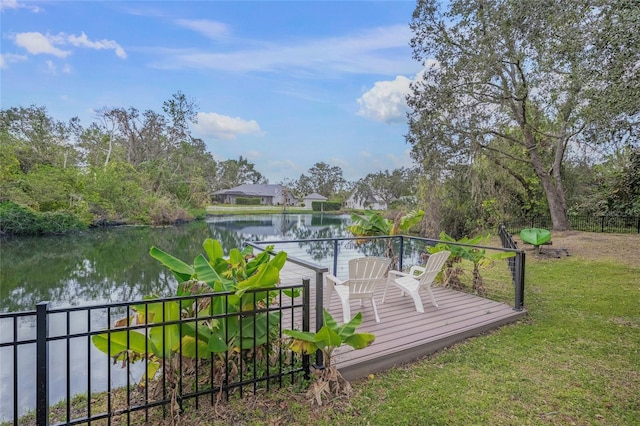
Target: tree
(322, 178)
(37, 138)
(238, 172)
(388, 185)
(525, 82)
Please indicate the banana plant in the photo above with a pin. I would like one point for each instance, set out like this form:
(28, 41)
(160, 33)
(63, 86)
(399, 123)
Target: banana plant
(476, 255)
(234, 327)
(330, 337)
(371, 224)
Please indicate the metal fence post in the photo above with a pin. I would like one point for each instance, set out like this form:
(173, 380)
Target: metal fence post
(42, 363)
(401, 252)
(519, 282)
(335, 257)
(306, 319)
(319, 312)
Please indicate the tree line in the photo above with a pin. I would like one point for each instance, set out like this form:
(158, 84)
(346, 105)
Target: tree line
(524, 108)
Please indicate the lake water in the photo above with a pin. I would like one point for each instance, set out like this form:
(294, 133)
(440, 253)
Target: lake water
(112, 265)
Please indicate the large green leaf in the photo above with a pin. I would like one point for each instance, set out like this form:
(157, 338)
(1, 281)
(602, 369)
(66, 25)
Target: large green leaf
(120, 341)
(188, 348)
(152, 369)
(255, 330)
(223, 334)
(410, 219)
(279, 260)
(265, 277)
(236, 259)
(181, 270)
(307, 336)
(359, 340)
(189, 329)
(164, 337)
(213, 249)
(349, 328)
(205, 272)
(327, 338)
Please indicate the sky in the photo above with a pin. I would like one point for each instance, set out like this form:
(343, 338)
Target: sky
(285, 84)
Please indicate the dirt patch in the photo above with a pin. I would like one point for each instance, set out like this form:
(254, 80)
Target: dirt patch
(623, 248)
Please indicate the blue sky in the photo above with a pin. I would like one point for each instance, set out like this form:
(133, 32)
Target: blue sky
(285, 84)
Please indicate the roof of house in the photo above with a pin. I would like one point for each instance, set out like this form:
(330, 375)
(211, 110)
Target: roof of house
(254, 190)
(371, 198)
(315, 196)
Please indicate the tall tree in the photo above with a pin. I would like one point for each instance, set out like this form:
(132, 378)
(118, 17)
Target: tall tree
(238, 172)
(388, 185)
(540, 78)
(323, 178)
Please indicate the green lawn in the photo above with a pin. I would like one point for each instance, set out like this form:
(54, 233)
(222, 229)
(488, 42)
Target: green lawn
(575, 359)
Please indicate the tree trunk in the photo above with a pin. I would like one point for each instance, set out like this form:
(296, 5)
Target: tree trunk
(553, 192)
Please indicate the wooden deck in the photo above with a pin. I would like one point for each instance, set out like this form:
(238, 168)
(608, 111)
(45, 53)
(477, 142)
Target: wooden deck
(404, 335)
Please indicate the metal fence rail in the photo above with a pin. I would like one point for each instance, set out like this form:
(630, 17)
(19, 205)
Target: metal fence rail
(127, 391)
(608, 224)
(335, 253)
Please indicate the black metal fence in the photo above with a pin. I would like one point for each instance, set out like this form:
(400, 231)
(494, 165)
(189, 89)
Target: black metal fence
(609, 224)
(160, 357)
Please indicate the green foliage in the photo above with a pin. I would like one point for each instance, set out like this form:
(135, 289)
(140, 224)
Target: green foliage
(229, 333)
(478, 256)
(534, 102)
(330, 337)
(372, 223)
(18, 220)
(248, 201)
(326, 206)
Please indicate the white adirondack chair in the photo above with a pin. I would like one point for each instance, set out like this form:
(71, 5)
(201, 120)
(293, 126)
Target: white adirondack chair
(418, 277)
(365, 273)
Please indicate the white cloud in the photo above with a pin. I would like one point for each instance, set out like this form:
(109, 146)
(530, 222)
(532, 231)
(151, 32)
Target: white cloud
(14, 4)
(386, 100)
(37, 43)
(83, 41)
(10, 58)
(211, 29)
(224, 127)
(378, 51)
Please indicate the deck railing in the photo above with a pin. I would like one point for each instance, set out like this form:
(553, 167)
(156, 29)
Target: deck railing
(334, 254)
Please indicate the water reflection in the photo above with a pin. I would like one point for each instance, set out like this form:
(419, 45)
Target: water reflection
(110, 265)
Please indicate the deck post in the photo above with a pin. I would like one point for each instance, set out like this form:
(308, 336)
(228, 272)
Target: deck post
(519, 281)
(401, 252)
(335, 256)
(306, 319)
(319, 312)
(42, 363)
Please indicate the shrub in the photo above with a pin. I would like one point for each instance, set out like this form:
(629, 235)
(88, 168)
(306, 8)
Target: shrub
(325, 206)
(248, 201)
(18, 220)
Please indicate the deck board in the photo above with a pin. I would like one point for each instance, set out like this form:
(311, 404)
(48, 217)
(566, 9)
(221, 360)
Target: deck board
(404, 335)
